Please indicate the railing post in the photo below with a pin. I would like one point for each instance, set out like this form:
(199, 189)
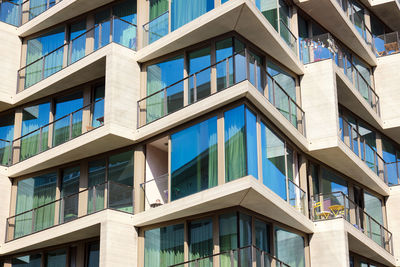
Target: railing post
(43, 63)
(111, 29)
(70, 125)
(255, 75)
(33, 220)
(370, 226)
(40, 139)
(194, 88)
(232, 258)
(273, 91)
(227, 72)
(165, 101)
(262, 258)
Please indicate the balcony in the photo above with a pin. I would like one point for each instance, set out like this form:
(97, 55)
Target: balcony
(240, 257)
(338, 205)
(15, 13)
(393, 172)
(53, 134)
(323, 47)
(387, 44)
(357, 143)
(113, 30)
(157, 193)
(216, 78)
(108, 195)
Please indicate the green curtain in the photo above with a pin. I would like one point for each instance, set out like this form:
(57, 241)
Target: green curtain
(289, 247)
(235, 146)
(94, 254)
(69, 193)
(7, 134)
(56, 258)
(245, 233)
(373, 207)
(96, 179)
(269, 8)
(201, 242)
(228, 237)
(157, 7)
(120, 171)
(32, 193)
(164, 246)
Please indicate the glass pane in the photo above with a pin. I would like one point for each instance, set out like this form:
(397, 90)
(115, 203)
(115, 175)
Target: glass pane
(332, 182)
(33, 118)
(273, 160)
(10, 12)
(199, 87)
(69, 193)
(27, 261)
(245, 240)
(228, 236)
(96, 179)
(160, 76)
(235, 144)
(39, 47)
(67, 125)
(269, 9)
(57, 258)
(7, 135)
(164, 246)
(102, 30)
(251, 139)
(179, 11)
(124, 33)
(194, 166)
(159, 21)
(78, 41)
(262, 235)
(126, 10)
(94, 254)
(224, 49)
(98, 106)
(289, 248)
(33, 193)
(201, 241)
(373, 207)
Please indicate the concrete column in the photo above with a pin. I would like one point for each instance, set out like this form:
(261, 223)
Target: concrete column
(86, 112)
(393, 218)
(16, 145)
(139, 178)
(329, 244)
(90, 35)
(116, 239)
(83, 184)
(303, 181)
(5, 200)
(142, 18)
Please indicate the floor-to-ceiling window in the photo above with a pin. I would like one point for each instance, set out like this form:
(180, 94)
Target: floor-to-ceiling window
(373, 207)
(159, 76)
(37, 48)
(67, 127)
(69, 194)
(194, 159)
(164, 246)
(6, 136)
(34, 117)
(31, 194)
(201, 241)
(77, 41)
(183, 11)
(96, 185)
(289, 247)
(199, 60)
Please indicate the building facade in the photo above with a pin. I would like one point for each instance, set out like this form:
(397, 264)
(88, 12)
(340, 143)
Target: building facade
(177, 133)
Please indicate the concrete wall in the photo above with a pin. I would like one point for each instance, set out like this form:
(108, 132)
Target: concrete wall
(118, 244)
(156, 165)
(319, 102)
(393, 218)
(387, 84)
(5, 197)
(10, 53)
(329, 244)
(122, 88)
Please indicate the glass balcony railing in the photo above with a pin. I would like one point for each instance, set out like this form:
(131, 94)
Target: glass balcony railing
(387, 44)
(297, 197)
(156, 193)
(393, 172)
(113, 30)
(240, 257)
(358, 21)
(338, 205)
(50, 135)
(155, 29)
(230, 71)
(108, 195)
(324, 47)
(358, 144)
(288, 36)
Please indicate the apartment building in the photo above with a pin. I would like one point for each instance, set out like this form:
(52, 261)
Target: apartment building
(177, 133)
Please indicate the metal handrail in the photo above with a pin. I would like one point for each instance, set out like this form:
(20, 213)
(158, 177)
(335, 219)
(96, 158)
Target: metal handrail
(231, 252)
(65, 197)
(159, 16)
(10, 2)
(289, 30)
(65, 116)
(363, 139)
(388, 240)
